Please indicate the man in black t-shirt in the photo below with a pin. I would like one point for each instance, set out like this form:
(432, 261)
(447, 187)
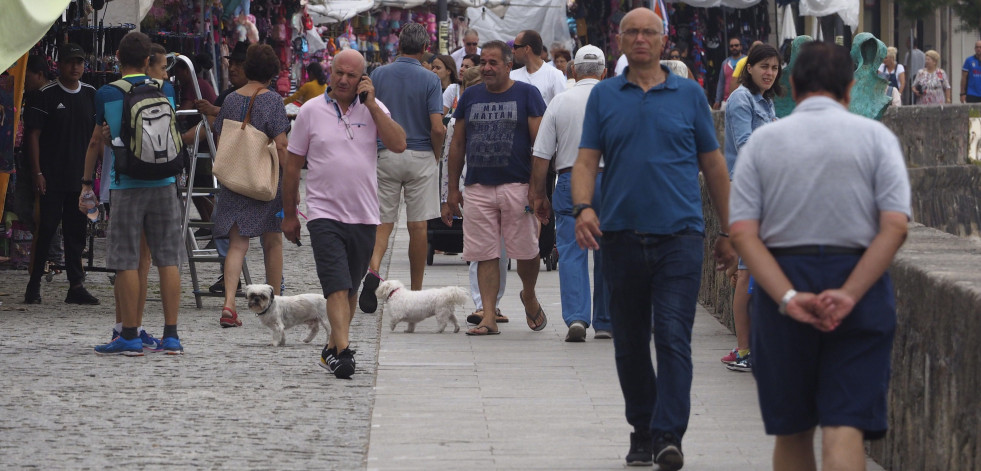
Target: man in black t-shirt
(59, 119)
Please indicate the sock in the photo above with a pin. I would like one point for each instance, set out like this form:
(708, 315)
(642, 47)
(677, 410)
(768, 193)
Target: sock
(140, 329)
(130, 333)
(118, 328)
(743, 352)
(170, 331)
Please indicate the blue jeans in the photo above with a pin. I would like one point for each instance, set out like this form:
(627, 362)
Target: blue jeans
(657, 274)
(574, 272)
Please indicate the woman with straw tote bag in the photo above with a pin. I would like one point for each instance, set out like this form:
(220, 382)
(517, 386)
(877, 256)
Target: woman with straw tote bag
(249, 119)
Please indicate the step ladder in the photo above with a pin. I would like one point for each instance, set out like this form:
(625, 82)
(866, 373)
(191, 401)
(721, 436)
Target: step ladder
(195, 253)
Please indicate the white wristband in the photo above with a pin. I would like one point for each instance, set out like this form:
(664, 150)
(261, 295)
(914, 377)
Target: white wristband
(789, 295)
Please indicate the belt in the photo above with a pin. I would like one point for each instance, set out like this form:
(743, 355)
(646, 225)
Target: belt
(569, 169)
(817, 250)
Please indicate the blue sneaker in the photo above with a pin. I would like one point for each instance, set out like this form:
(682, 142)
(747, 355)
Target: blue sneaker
(121, 346)
(150, 343)
(172, 346)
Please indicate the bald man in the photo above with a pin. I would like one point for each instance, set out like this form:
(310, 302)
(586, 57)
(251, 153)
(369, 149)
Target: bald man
(654, 131)
(335, 135)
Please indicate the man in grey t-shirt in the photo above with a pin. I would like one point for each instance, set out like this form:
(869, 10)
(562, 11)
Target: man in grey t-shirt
(825, 218)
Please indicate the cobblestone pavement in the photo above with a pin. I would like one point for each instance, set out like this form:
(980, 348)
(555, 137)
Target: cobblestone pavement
(231, 402)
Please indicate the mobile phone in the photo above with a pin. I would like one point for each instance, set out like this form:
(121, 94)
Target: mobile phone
(363, 96)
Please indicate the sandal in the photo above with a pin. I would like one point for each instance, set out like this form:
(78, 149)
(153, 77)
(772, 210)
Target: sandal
(229, 318)
(538, 322)
(482, 330)
(478, 316)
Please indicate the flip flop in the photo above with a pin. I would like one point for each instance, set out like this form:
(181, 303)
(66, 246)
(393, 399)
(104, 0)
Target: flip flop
(538, 315)
(475, 318)
(482, 330)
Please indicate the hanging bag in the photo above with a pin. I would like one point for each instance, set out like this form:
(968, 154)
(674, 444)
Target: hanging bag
(247, 161)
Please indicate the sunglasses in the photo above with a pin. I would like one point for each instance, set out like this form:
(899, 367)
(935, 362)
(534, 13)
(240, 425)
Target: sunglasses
(518, 46)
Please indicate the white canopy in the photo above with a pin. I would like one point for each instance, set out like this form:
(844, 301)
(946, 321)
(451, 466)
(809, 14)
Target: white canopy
(22, 24)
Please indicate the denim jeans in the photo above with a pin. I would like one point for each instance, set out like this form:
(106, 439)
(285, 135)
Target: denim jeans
(574, 272)
(660, 275)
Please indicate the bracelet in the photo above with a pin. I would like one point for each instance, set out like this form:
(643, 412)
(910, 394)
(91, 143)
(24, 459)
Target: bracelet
(787, 297)
(723, 234)
(87, 182)
(38, 174)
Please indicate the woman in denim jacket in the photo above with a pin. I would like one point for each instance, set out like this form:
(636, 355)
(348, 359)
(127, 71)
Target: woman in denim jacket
(750, 106)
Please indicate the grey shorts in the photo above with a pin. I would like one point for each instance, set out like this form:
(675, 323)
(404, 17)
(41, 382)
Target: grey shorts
(341, 252)
(154, 211)
(417, 173)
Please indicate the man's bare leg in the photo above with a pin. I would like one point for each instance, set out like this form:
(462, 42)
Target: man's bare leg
(488, 279)
(418, 250)
(340, 312)
(842, 449)
(382, 233)
(528, 272)
(794, 452)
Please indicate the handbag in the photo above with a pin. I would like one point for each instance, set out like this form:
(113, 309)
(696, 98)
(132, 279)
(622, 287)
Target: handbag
(247, 161)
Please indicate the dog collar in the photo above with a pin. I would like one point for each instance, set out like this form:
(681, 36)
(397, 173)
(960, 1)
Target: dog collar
(264, 310)
(393, 292)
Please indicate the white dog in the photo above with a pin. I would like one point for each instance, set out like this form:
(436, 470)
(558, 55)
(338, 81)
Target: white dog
(414, 306)
(283, 312)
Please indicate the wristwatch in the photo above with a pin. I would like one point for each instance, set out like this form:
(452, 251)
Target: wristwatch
(787, 297)
(577, 208)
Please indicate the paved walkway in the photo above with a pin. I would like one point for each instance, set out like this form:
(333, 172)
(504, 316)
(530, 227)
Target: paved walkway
(529, 400)
(521, 400)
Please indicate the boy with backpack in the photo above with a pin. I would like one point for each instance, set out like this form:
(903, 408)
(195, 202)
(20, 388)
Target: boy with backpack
(148, 153)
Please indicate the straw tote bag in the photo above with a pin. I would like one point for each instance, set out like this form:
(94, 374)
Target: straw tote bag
(247, 161)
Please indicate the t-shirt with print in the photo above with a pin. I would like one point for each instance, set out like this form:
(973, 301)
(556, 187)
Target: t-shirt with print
(973, 68)
(498, 139)
(109, 109)
(342, 175)
(66, 119)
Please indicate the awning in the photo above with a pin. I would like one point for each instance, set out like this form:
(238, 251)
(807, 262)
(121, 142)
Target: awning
(23, 23)
(333, 11)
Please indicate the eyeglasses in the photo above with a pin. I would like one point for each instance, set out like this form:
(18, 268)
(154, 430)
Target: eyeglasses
(675, 57)
(517, 46)
(633, 32)
(342, 117)
(470, 44)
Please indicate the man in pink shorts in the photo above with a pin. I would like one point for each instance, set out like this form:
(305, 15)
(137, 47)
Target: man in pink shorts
(496, 125)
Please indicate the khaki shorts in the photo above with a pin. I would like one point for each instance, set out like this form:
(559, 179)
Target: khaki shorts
(414, 170)
(493, 213)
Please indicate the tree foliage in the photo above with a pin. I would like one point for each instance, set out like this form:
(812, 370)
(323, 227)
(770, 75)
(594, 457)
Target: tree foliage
(919, 9)
(969, 12)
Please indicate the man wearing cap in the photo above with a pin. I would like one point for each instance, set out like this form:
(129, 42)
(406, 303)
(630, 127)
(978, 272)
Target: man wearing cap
(59, 118)
(559, 135)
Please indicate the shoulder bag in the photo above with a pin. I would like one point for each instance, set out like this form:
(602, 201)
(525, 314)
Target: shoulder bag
(247, 161)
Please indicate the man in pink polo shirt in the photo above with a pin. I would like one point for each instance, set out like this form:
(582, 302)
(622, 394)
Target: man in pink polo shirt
(335, 135)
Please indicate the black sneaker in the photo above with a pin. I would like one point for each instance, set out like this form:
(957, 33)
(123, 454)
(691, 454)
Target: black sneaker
(667, 453)
(367, 301)
(641, 450)
(79, 295)
(32, 296)
(340, 365)
(219, 286)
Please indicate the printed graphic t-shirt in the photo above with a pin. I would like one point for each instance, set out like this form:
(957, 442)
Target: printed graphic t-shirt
(498, 140)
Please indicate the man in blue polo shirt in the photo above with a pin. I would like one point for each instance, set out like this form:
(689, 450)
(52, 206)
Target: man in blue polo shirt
(415, 99)
(138, 206)
(971, 77)
(654, 130)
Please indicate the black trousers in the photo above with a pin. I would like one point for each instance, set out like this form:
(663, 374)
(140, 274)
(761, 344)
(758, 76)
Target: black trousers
(55, 207)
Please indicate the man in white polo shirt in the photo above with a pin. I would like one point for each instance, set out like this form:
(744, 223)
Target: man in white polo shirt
(335, 134)
(527, 55)
(470, 41)
(559, 135)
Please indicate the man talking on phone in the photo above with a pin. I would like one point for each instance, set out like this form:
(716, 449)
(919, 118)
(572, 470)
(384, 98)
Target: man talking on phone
(335, 135)
(415, 98)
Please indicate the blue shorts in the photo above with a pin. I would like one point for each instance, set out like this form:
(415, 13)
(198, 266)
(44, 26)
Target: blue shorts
(806, 377)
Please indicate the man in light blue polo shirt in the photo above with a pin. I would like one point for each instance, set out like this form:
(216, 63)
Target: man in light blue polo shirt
(415, 99)
(654, 131)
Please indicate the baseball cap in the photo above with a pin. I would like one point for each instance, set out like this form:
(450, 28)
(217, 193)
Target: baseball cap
(238, 54)
(70, 51)
(590, 55)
